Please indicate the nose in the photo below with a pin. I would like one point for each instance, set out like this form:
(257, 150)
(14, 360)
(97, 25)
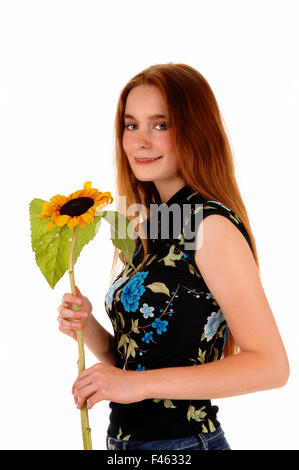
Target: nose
(143, 139)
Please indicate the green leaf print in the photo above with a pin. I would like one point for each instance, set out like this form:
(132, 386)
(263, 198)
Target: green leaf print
(211, 426)
(193, 270)
(203, 428)
(134, 326)
(170, 259)
(126, 438)
(119, 433)
(236, 219)
(131, 348)
(181, 238)
(159, 287)
(221, 331)
(201, 356)
(198, 415)
(114, 324)
(152, 259)
(167, 403)
(190, 412)
(124, 339)
(121, 319)
(215, 354)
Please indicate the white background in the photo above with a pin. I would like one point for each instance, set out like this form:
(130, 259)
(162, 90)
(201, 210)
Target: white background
(63, 65)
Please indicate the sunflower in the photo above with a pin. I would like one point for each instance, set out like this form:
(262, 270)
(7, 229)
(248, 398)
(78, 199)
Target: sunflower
(78, 207)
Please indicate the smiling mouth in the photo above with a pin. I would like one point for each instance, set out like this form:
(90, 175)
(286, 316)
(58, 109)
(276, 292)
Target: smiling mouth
(147, 159)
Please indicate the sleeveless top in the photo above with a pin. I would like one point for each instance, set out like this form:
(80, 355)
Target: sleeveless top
(165, 316)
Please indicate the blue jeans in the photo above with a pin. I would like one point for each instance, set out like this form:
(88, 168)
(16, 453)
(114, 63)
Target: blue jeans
(201, 441)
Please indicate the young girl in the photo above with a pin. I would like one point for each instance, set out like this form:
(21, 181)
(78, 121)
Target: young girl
(184, 304)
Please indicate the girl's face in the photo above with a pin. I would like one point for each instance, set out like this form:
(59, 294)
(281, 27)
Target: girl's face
(146, 134)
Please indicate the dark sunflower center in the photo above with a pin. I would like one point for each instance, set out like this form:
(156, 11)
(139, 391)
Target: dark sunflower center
(76, 206)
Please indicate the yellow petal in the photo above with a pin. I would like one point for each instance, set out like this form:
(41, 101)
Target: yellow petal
(87, 185)
(73, 222)
(47, 210)
(78, 193)
(62, 220)
(82, 223)
(50, 225)
(91, 192)
(55, 215)
(87, 217)
(59, 199)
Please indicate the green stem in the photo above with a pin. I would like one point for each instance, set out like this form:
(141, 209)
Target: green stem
(86, 431)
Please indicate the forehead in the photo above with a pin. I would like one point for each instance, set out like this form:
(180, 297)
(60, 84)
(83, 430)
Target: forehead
(145, 98)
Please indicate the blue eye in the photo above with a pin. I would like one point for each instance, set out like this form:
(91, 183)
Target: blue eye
(162, 124)
(129, 125)
(159, 124)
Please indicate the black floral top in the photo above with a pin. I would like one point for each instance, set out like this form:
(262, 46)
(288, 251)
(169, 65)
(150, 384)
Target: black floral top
(165, 316)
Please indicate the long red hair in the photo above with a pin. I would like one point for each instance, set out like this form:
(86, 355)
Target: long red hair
(205, 158)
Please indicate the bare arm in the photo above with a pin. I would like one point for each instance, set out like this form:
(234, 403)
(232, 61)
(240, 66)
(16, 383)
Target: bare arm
(229, 270)
(99, 341)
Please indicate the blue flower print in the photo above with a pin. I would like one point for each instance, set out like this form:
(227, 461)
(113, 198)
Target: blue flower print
(147, 311)
(225, 334)
(112, 289)
(212, 325)
(140, 368)
(132, 292)
(147, 337)
(160, 325)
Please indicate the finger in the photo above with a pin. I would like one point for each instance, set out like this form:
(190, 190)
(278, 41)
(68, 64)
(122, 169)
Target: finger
(85, 373)
(78, 291)
(84, 382)
(92, 400)
(69, 313)
(70, 298)
(85, 393)
(68, 325)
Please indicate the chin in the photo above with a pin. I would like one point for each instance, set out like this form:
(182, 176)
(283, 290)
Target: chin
(146, 175)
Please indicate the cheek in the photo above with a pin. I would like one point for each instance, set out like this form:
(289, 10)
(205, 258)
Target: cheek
(165, 143)
(125, 141)
(168, 149)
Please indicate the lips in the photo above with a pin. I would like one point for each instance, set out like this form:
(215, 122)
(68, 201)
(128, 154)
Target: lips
(146, 159)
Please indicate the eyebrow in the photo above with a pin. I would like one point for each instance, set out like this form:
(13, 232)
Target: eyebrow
(155, 116)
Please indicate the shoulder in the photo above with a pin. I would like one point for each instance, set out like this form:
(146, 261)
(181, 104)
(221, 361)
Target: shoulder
(219, 240)
(202, 209)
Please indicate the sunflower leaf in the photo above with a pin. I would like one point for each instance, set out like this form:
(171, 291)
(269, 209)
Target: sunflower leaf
(121, 233)
(52, 247)
(38, 227)
(85, 235)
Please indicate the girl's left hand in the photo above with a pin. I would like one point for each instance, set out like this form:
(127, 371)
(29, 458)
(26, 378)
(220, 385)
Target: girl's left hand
(107, 382)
